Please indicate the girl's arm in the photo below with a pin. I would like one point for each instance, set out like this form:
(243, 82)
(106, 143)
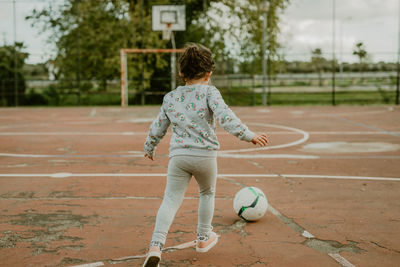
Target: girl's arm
(225, 116)
(157, 131)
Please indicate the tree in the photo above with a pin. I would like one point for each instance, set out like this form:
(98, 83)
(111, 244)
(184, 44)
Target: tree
(234, 31)
(89, 35)
(317, 60)
(12, 60)
(361, 53)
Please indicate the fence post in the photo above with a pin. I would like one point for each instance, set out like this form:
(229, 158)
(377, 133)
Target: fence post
(253, 91)
(269, 80)
(333, 53)
(398, 62)
(3, 100)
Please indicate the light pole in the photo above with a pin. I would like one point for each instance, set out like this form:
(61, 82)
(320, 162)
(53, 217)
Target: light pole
(15, 57)
(78, 74)
(264, 9)
(333, 51)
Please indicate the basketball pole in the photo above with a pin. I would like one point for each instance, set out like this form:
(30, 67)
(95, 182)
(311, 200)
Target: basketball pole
(173, 62)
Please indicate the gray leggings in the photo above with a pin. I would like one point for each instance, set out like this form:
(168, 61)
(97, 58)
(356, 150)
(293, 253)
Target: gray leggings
(180, 170)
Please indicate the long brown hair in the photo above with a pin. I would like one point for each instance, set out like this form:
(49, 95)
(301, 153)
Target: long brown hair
(195, 62)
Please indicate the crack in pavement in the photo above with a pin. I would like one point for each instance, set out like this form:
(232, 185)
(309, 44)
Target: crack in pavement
(330, 247)
(52, 229)
(236, 226)
(378, 245)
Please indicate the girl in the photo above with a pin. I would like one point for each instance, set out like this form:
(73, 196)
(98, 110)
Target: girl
(191, 110)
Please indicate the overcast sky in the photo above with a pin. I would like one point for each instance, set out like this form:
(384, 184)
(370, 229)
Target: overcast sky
(306, 25)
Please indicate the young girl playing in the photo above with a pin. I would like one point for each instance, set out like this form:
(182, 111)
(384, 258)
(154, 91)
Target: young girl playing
(192, 111)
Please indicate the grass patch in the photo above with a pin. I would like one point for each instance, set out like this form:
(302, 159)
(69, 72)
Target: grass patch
(248, 98)
(235, 96)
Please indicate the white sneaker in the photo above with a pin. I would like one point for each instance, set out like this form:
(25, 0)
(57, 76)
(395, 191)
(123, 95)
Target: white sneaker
(204, 244)
(153, 257)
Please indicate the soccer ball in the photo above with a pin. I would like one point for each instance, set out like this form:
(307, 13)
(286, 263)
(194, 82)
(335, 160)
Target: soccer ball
(250, 203)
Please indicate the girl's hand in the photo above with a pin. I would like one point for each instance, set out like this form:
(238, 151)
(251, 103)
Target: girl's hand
(148, 156)
(260, 139)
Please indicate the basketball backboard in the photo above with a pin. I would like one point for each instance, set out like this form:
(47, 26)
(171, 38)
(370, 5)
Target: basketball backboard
(172, 15)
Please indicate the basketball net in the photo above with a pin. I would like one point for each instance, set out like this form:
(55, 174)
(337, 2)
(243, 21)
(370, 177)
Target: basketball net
(167, 32)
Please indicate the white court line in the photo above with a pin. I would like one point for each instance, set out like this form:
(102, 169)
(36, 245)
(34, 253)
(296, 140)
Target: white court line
(180, 246)
(277, 214)
(266, 156)
(348, 133)
(94, 264)
(165, 250)
(140, 154)
(218, 133)
(103, 198)
(297, 142)
(341, 260)
(69, 156)
(302, 176)
(307, 234)
(312, 176)
(71, 133)
(137, 120)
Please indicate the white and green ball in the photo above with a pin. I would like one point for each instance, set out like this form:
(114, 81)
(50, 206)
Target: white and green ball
(250, 203)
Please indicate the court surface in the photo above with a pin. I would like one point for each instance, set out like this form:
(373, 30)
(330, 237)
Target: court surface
(75, 189)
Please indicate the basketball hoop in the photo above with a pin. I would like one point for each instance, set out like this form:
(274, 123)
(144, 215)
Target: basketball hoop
(171, 15)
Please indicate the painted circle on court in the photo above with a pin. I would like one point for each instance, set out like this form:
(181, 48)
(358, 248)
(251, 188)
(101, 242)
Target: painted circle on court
(303, 139)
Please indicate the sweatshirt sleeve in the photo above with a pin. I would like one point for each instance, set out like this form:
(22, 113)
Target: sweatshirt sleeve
(225, 116)
(157, 131)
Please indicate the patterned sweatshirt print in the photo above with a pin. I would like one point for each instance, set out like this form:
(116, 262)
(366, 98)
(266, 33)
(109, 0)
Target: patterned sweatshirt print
(191, 111)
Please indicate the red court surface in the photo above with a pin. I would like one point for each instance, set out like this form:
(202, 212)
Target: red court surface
(75, 189)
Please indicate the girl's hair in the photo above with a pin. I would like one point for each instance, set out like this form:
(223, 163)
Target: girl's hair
(195, 62)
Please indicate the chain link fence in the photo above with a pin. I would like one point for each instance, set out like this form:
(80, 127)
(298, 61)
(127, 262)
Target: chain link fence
(237, 89)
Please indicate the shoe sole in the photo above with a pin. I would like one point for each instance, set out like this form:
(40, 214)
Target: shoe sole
(152, 260)
(210, 246)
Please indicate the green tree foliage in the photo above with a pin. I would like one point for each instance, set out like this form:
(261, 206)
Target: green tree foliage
(235, 29)
(89, 35)
(12, 60)
(36, 71)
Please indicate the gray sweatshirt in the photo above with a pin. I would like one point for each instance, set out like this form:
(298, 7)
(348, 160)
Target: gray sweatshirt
(192, 111)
